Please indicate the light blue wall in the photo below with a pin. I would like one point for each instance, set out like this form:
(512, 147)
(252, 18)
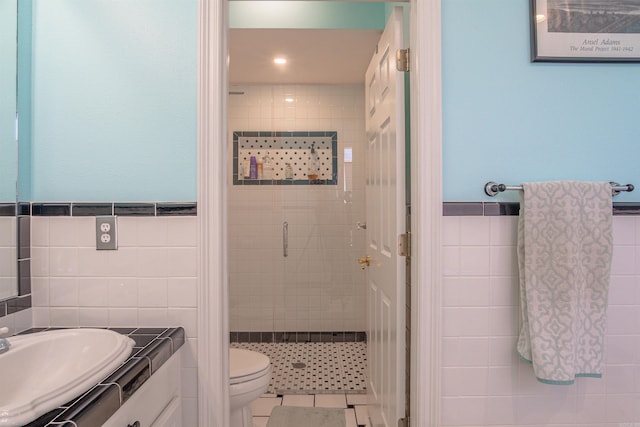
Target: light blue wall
(114, 114)
(114, 100)
(114, 91)
(306, 14)
(24, 98)
(8, 156)
(509, 120)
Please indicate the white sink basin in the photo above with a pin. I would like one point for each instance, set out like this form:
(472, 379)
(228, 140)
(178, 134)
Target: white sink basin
(44, 370)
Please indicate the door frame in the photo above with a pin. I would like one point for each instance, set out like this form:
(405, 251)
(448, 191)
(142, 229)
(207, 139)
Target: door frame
(426, 207)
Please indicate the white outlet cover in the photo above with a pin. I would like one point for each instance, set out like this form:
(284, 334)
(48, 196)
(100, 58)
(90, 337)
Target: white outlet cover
(106, 232)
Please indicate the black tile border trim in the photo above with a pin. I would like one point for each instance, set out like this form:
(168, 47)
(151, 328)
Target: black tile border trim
(176, 209)
(191, 209)
(106, 208)
(8, 209)
(83, 412)
(18, 303)
(51, 209)
(513, 208)
(23, 242)
(98, 404)
(91, 209)
(626, 208)
(301, 337)
(282, 134)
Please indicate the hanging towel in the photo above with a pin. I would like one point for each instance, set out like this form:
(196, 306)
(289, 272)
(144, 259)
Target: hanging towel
(564, 259)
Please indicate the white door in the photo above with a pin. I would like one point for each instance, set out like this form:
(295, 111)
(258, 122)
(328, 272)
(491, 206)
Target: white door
(384, 95)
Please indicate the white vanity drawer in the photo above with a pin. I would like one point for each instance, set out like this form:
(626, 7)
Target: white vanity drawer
(171, 416)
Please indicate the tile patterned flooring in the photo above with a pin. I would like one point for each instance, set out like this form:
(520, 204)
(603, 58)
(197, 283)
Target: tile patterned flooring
(333, 376)
(314, 368)
(355, 409)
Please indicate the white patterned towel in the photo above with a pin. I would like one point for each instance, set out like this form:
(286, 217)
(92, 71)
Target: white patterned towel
(564, 257)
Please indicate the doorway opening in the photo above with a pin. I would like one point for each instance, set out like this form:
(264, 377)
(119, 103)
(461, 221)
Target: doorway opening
(213, 358)
(308, 300)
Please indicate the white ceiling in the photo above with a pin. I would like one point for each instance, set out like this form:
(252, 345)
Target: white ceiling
(314, 56)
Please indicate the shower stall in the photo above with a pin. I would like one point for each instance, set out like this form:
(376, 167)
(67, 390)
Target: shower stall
(296, 290)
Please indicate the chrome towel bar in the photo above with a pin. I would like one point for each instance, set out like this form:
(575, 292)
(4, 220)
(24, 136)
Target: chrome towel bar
(492, 189)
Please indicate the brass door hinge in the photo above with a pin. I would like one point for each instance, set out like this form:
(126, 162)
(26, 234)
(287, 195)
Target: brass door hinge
(402, 60)
(404, 244)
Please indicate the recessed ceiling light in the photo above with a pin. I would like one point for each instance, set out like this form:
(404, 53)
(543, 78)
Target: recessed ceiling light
(288, 100)
(280, 60)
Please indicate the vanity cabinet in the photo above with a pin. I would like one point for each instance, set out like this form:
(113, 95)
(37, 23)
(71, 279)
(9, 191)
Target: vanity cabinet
(157, 403)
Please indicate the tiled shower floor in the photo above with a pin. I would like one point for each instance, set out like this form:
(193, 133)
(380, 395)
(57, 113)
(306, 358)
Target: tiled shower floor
(328, 367)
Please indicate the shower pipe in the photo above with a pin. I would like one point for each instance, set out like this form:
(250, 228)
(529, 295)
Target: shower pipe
(492, 189)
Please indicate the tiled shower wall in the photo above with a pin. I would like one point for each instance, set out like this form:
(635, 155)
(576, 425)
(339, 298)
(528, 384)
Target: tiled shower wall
(319, 285)
(149, 281)
(484, 383)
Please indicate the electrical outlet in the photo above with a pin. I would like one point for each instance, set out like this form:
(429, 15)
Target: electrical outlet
(106, 233)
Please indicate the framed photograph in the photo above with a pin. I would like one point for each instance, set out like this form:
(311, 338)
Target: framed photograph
(585, 30)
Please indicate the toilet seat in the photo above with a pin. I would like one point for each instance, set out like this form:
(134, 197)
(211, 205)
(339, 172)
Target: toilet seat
(246, 365)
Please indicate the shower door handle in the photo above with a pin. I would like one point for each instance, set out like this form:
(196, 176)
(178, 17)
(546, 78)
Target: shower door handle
(285, 239)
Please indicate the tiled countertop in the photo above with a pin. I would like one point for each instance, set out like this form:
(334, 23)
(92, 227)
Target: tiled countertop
(153, 347)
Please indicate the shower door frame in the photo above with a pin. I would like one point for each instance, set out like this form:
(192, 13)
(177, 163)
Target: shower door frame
(426, 196)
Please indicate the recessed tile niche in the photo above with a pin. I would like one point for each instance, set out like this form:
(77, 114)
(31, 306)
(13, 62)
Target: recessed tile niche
(279, 150)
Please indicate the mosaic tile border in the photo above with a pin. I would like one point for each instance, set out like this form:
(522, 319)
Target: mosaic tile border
(299, 337)
(333, 158)
(513, 208)
(153, 347)
(114, 208)
(7, 209)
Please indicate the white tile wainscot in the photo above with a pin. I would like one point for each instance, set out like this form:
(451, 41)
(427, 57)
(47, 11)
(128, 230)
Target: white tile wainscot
(484, 383)
(149, 281)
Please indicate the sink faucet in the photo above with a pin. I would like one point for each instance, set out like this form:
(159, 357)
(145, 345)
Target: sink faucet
(5, 345)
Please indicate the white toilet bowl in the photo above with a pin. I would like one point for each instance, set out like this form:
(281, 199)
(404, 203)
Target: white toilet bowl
(249, 376)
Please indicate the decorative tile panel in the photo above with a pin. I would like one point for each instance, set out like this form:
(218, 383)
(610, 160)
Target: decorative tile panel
(282, 149)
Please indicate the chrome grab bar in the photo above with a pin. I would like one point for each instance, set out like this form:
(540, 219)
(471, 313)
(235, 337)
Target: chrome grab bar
(285, 239)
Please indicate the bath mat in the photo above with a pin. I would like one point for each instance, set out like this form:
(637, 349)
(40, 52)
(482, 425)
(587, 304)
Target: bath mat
(294, 416)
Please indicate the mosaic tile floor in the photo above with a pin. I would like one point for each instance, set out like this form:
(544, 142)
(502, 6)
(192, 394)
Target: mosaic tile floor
(314, 368)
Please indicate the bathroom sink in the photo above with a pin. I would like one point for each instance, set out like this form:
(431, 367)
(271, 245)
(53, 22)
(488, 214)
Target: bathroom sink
(44, 370)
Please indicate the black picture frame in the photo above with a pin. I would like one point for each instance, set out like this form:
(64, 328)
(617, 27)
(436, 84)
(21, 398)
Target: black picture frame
(585, 30)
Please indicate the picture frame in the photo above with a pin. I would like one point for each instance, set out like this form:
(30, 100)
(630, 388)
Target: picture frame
(585, 30)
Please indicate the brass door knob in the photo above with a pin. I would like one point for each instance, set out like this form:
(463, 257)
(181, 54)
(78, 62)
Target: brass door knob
(364, 262)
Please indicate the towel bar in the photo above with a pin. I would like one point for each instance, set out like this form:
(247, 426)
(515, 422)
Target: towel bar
(492, 189)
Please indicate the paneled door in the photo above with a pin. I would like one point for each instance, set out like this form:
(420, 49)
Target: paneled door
(385, 188)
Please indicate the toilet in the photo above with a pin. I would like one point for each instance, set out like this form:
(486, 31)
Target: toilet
(249, 376)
